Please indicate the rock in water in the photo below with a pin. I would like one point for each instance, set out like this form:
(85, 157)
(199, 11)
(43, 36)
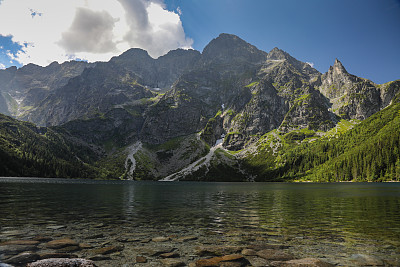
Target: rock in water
(62, 263)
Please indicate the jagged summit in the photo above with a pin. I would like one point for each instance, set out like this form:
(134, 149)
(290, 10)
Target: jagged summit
(133, 54)
(338, 67)
(228, 47)
(278, 54)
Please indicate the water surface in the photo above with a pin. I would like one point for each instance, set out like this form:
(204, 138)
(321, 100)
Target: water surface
(331, 221)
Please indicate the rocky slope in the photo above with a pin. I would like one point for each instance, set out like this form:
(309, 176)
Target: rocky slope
(199, 115)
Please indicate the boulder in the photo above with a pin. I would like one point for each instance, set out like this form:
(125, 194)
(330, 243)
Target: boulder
(58, 262)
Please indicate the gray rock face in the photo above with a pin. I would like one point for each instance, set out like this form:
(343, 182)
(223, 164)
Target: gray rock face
(24, 88)
(229, 48)
(232, 93)
(352, 97)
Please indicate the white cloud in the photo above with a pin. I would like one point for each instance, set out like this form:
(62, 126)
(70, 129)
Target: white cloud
(311, 64)
(58, 30)
(2, 67)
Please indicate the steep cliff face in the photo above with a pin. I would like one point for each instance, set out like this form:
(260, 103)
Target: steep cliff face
(96, 91)
(24, 88)
(182, 112)
(352, 97)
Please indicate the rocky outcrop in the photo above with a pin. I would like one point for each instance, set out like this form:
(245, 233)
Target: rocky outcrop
(230, 95)
(352, 97)
(25, 87)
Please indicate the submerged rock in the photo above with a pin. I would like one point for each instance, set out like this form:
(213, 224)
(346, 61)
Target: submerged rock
(141, 259)
(275, 255)
(107, 250)
(61, 243)
(307, 262)
(161, 239)
(62, 263)
(217, 261)
(23, 258)
(366, 260)
(172, 262)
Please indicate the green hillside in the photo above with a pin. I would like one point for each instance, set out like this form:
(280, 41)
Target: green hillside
(27, 150)
(370, 151)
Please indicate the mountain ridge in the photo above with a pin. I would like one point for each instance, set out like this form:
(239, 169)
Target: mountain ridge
(210, 109)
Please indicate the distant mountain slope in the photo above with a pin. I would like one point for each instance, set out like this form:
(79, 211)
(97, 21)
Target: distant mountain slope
(232, 111)
(27, 150)
(369, 151)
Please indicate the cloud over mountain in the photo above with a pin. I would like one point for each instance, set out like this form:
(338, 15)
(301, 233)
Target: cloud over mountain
(55, 30)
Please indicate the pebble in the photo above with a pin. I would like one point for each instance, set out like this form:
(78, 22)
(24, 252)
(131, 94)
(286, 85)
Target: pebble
(249, 252)
(172, 262)
(274, 255)
(161, 239)
(170, 255)
(141, 259)
(217, 260)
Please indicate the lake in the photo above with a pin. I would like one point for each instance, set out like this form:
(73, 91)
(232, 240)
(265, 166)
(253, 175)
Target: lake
(342, 223)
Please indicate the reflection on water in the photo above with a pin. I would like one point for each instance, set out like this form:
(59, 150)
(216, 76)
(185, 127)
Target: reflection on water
(343, 213)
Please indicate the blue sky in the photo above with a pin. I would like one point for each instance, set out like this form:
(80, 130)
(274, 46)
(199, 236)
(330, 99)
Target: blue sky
(363, 34)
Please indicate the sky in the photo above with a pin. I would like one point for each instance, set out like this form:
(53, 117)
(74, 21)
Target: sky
(363, 34)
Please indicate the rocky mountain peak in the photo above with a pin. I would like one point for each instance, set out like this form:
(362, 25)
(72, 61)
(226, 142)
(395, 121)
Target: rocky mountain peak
(229, 47)
(338, 68)
(133, 54)
(277, 54)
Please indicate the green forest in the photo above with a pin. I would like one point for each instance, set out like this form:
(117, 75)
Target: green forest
(370, 151)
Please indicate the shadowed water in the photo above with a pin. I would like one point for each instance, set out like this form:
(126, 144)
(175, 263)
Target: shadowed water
(332, 221)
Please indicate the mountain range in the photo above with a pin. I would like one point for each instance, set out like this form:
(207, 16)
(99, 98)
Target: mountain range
(230, 113)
